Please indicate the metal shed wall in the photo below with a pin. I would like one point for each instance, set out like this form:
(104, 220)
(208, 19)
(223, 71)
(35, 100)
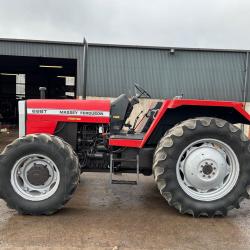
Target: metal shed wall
(113, 69)
(196, 74)
(46, 49)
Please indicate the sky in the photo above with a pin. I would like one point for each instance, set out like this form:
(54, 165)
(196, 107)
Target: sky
(221, 24)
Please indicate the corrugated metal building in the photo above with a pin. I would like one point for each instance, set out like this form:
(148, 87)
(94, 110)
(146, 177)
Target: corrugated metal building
(45, 49)
(164, 72)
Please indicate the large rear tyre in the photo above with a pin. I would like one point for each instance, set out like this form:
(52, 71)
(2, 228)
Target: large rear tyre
(38, 174)
(201, 167)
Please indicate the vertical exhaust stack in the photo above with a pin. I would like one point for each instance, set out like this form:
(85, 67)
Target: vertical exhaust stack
(85, 43)
(42, 92)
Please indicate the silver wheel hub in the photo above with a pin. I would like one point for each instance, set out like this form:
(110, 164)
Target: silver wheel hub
(207, 169)
(35, 177)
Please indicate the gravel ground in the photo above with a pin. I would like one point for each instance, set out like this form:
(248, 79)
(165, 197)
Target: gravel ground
(101, 216)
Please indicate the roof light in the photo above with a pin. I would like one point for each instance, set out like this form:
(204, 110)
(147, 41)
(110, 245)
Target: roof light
(63, 76)
(8, 74)
(172, 51)
(51, 66)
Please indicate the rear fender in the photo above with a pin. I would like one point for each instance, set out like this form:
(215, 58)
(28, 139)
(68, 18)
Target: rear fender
(176, 111)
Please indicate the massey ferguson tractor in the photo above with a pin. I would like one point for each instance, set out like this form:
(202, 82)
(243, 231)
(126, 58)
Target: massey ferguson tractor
(199, 159)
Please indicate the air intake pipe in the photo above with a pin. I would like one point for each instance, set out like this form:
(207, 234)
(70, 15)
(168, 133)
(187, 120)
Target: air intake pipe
(42, 92)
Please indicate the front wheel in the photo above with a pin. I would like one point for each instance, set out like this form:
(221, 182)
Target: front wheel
(201, 167)
(38, 174)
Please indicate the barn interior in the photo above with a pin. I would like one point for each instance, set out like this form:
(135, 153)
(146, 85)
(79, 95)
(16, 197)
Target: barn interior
(21, 77)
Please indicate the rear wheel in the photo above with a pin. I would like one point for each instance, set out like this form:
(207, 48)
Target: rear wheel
(38, 174)
(201, 167)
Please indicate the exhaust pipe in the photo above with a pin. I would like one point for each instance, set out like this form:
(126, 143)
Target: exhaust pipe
(85, 65)
(42, 92)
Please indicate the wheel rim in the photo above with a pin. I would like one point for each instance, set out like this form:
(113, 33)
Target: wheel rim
(207, 169)
(35, 177)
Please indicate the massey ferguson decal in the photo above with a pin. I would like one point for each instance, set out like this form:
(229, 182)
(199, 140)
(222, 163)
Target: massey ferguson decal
(67, 112)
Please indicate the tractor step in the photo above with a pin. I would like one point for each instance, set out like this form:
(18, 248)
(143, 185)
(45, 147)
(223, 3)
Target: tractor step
(128, 182)
(124, 182)
(122, 159)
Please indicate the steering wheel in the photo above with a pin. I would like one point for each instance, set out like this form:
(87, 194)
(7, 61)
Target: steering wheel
(143, 92)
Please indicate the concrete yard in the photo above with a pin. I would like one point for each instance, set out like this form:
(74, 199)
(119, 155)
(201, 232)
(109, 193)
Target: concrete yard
(101, 216)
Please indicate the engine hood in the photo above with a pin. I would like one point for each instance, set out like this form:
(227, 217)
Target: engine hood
(43, 115)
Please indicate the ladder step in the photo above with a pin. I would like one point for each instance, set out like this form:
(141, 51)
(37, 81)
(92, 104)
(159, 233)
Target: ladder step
(123, 159)
(112, 160)
(124, 182)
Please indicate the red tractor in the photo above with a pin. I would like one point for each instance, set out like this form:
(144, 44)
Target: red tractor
(198, 157)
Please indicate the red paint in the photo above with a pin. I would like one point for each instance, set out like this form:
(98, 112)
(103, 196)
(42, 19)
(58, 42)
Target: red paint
(171, 104)
(181, 102)
(47, 123)
(125, 143)
(36, 123)
(34, 127)
(70, 104)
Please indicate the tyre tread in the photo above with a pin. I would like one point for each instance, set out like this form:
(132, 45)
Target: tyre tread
(164, 145)
(71, 158)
